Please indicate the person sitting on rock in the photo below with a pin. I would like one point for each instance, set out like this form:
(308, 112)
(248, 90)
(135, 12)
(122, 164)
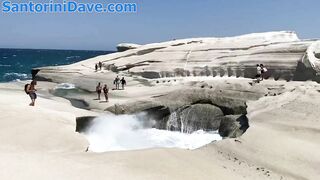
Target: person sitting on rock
(106, 91)
(98, 90)
(123, 82)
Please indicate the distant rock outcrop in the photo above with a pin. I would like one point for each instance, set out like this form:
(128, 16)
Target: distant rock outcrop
(126, 46)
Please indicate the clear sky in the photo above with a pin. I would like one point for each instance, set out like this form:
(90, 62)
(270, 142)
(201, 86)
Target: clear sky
(158, 20)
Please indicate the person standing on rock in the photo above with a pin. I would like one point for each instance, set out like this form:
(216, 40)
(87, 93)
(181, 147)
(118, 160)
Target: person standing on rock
(263, 71)
(96, 67)
(100, 65)
(106, 91)
(117, 82)
(31, 90)
(98, 90)
(259, 71)
(123, 82)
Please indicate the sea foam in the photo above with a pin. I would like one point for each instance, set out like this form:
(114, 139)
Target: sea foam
(65, 86)
(131, 132)
(15, 76)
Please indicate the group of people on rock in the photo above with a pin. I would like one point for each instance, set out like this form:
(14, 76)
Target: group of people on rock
(261, 72)
(31, 90)
(117, 81)
(98, 66)
(104, 89)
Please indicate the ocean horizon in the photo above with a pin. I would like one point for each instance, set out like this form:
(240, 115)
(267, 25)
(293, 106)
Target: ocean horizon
(16, 64)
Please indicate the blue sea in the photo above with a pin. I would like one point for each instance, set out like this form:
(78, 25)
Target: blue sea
(16, 64)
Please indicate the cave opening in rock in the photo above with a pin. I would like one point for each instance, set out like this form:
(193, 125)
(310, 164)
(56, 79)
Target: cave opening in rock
(188, 127)
(134, 132)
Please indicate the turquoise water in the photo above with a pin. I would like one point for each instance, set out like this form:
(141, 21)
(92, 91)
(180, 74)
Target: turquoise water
(16, 64)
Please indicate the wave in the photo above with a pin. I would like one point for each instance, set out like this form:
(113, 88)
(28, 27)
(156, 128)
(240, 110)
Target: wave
(72, 57)
(5, 65)
(130, 132)
(16, 76)
(65, 86)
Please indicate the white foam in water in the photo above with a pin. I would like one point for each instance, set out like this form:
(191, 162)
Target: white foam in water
(65, 86)
(129, 132)
(16, 76)
(5, 65)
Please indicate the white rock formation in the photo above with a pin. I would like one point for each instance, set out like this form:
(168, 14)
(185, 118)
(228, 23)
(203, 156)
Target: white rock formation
(283, 137)
(283, 53)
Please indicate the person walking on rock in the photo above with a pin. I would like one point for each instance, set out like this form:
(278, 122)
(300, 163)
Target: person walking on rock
(106, 91)
(98, 90)
(31, 90)
(123, 82)
(100, 65)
